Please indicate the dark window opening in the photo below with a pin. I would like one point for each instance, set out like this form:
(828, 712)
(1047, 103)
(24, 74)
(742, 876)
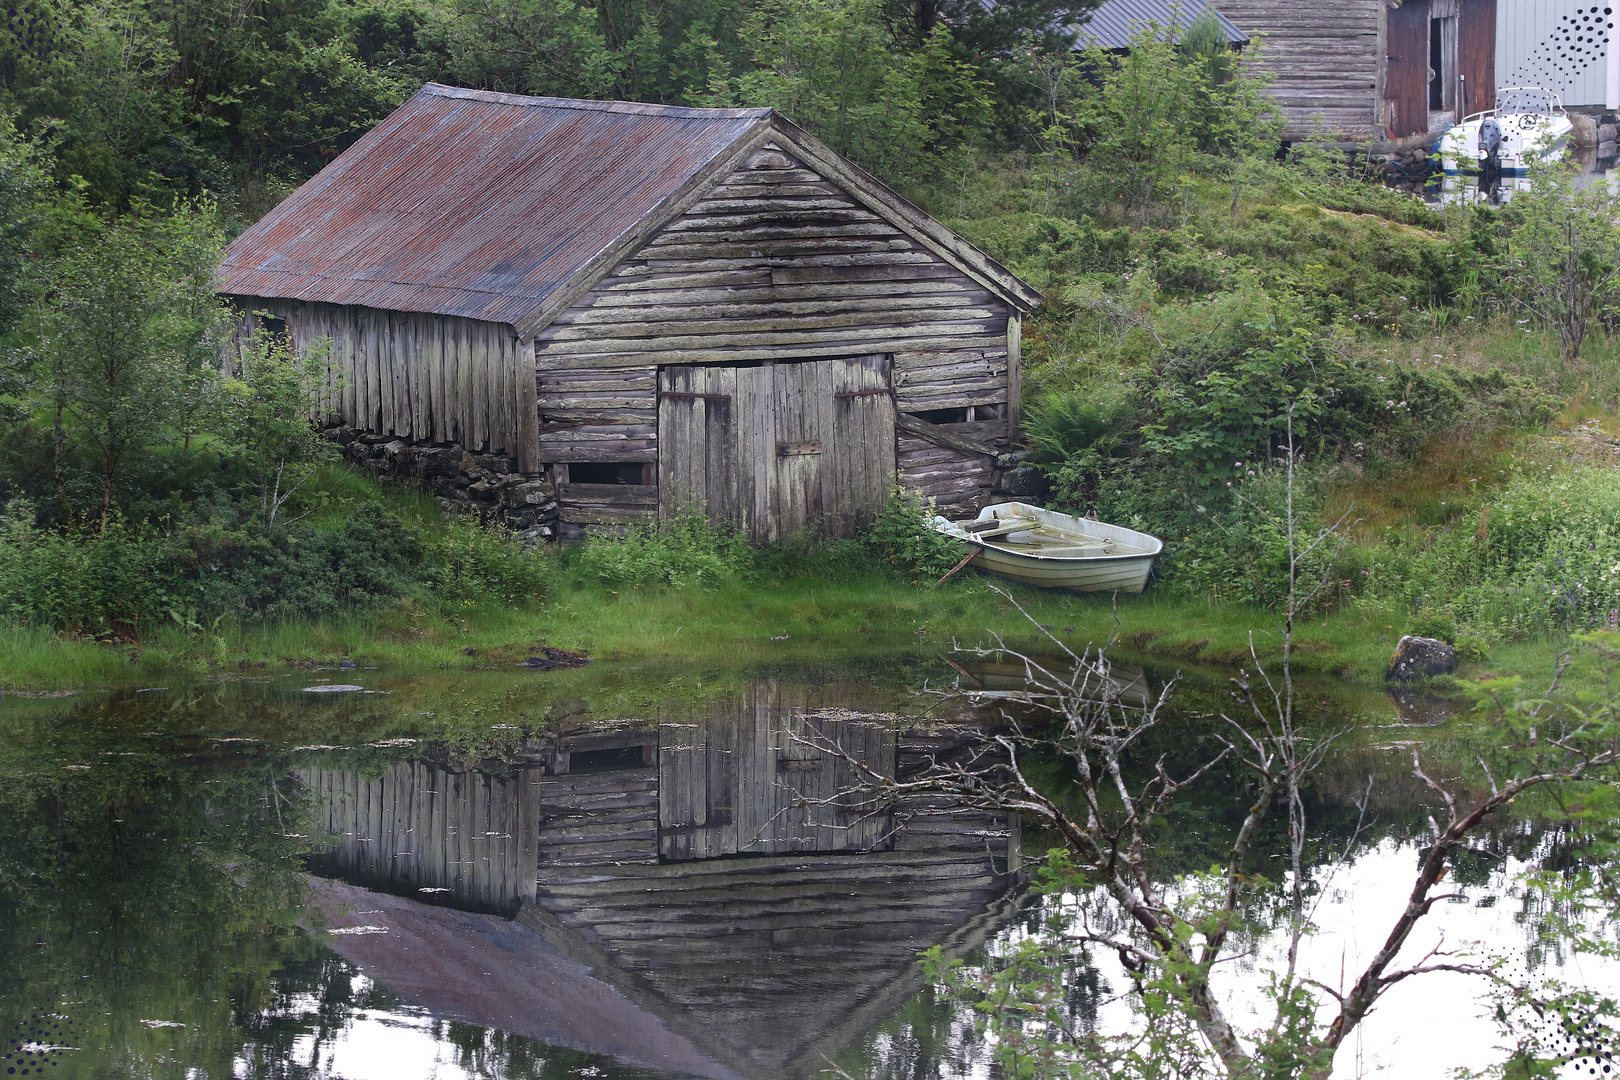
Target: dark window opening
(943, 416)
(616, 757)
(963, 416)
(605, 472)
(1437, 82)
(272, 325)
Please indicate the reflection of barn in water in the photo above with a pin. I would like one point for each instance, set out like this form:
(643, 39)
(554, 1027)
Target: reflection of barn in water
(717, 872)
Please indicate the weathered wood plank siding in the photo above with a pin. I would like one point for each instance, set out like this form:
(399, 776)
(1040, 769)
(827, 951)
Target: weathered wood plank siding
(424, 378)
(777, 264)
(426, 831)
(1323, 60)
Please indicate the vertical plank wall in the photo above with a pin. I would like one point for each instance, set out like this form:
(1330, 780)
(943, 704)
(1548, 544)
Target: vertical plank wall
(424, 378)
(777, 263)
(470, 837)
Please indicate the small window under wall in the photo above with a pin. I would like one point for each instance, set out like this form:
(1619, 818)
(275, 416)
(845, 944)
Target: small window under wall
(272, 325)
(605, 472)
(962, 416)
(607, 760)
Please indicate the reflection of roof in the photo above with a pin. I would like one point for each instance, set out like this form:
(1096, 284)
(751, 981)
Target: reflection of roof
(1116, 22)
(494, 972)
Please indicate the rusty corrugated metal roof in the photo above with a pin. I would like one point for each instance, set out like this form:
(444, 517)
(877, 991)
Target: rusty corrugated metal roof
(471, 203)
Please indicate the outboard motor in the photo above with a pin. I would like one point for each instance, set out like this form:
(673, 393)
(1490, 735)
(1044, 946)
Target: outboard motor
(1490, 157)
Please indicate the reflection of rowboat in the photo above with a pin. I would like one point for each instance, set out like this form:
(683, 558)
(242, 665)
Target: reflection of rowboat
(1056, 551)
(1012, 681)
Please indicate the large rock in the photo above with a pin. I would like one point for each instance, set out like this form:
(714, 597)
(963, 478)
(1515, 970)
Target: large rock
(1024, 482)
(1583, 130)
(1420, 658)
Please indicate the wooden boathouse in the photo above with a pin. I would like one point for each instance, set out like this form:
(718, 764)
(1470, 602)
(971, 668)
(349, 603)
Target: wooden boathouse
(649, 307)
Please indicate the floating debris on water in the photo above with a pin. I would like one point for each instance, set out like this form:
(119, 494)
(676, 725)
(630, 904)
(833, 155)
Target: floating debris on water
(550, 659)
(358, 930)
(333, 688)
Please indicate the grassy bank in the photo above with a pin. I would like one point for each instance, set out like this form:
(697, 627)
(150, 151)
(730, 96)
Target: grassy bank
(733, 625)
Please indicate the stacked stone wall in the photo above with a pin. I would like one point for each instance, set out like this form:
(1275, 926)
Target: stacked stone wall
(488, 485)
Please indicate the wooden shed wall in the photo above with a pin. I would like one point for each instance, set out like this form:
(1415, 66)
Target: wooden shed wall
(471, 836)
(1323, 60)
(425, 378)
(778, 263)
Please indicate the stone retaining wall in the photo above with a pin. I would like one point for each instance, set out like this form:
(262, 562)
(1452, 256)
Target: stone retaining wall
(488, 485)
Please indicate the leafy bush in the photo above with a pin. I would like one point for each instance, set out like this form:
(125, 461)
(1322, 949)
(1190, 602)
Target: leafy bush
(94, 581)
(479, 563)
(127, 578)
(901, 537)
(1542, 555)
(688, 550)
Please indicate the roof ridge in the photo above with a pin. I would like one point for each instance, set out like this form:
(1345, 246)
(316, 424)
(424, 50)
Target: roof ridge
(585, 104)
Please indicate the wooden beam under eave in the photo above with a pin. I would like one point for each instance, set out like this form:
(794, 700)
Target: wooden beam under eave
(1015, 376)
(528, 418)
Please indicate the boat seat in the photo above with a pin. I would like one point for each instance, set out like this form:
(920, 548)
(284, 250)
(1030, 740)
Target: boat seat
(1070, 551)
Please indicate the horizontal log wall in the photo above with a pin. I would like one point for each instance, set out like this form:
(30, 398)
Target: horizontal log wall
(423, 378)
(1323, 61)
(779, 264)
(948, 476)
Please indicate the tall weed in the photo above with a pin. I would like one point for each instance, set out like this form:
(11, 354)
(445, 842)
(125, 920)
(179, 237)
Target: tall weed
(688, 550)
(1542, 555)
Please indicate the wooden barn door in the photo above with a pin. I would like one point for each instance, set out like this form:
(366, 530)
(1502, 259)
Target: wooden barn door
(1406, 74)
(698, 443)
(861, 455)
(1476, 56)
(779, 447)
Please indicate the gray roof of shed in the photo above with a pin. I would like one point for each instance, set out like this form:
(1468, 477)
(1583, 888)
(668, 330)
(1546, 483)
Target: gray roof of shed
(1116, 22)
(496, 206)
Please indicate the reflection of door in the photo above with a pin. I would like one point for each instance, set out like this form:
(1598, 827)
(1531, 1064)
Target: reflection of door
(757, 782)
(1406, 71)
(775, 448)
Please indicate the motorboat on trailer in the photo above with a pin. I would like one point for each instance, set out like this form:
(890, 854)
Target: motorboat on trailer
(1489, 155)
(1057, 551)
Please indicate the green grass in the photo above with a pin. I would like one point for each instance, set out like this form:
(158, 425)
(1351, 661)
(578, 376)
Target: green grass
(735, 626)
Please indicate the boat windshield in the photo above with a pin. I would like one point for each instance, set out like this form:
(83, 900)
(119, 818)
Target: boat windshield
(1527, 99)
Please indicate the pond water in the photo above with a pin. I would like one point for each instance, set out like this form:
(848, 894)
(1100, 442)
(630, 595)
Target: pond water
(618, 873)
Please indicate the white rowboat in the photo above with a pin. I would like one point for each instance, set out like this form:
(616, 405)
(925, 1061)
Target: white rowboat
(1056, 551)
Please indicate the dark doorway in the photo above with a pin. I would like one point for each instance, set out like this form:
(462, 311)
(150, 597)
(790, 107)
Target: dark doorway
(1437, 65)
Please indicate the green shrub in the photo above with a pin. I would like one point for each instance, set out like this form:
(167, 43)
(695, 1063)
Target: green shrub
(89, 581)
(688, 550)
(1542, 555)
(223, 561)
(486, 563)
(902, 537)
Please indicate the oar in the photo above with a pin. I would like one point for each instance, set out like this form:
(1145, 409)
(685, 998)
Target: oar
(952, 571)
(1000, 527)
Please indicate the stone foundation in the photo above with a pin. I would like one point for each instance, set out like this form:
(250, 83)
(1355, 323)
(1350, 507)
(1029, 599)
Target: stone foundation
(488, 485)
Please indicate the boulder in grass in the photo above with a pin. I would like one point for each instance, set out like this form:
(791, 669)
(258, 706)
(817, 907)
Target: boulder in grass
(1420, 658)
